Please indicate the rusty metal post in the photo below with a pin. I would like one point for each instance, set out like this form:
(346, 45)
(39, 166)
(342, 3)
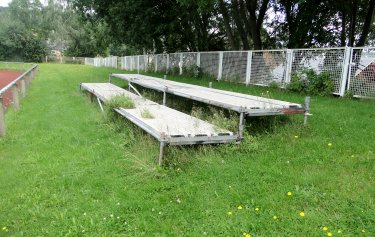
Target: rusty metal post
(16, 100)
(2, 117)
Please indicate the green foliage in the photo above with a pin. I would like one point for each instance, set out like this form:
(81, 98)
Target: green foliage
(192, 71)
(218, 117)
(308, 81)
(296, 83)
(274, 85)
(174, 71)
(349, 94)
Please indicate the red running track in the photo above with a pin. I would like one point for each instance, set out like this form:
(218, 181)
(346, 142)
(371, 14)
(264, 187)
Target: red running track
(7, 77)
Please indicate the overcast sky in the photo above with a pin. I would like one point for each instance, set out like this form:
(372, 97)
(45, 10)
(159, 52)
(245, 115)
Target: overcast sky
(4, 3)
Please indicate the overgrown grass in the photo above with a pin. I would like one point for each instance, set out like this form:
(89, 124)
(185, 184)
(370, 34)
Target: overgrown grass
(66, 171)
(116, 102)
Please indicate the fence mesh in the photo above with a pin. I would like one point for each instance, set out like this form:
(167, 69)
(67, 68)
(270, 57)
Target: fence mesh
(210, 63)
(234, 66)
(161, 62)
(330, 61)
(348, 68)
(362, 72)
(268, 67)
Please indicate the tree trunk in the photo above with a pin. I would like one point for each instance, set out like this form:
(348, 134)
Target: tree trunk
(228, 30)
(367, 24)
(239, 24)
(353, 19)
(343, 29)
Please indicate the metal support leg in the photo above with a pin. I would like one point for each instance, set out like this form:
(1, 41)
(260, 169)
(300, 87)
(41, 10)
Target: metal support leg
(130, 85)
(161, 154)
(110, 78)
(210, 84)
(164, 98)
(307, 109)
(100, 104)
(165, 77)
(241, 126)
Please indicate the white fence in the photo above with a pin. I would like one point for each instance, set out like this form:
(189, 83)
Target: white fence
(102, 62)
(351, 69)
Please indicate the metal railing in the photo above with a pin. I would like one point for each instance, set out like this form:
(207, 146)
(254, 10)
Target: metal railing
(16, 87)
(352, 70)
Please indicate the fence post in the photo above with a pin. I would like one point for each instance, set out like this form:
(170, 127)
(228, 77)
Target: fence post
(27, 80)
(220, 71)
(156, 62)
(289, 62)
(198, 59)
(138, 64)
(23, 87)
(345, 70)
(16, 100)
(248, 66)
(167, 62)
(180, 64)
(2, 117)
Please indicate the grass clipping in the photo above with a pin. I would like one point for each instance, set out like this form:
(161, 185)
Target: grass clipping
(116, 102)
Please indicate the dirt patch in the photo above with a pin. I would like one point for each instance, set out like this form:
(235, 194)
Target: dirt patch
(7, 77)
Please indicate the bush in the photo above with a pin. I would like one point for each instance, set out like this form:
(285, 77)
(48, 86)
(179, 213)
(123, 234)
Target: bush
(312, 83)
(192, 71)
(296, 84)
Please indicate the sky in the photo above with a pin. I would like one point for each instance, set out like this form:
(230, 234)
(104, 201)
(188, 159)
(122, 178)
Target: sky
(4, 3)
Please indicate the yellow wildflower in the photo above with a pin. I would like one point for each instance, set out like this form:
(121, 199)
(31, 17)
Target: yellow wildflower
(329, 144)
(295, 136)
(329, 234)
(302, 214)
(289, 193)
(274, 217)
(247, 235)
(363, 231)
(230, 213)
(4, 228)
(325, 228)
(257, 209)
(239, 207)
(339, 232)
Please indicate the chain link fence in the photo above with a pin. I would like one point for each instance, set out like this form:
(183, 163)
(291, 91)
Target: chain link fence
(352, 70)
(361, 79)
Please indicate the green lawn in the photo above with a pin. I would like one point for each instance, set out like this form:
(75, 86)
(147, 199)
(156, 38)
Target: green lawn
(66, 171)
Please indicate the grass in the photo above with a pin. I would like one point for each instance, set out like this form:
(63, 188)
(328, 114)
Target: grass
(23, 67)
(145, 113)
(66, 171)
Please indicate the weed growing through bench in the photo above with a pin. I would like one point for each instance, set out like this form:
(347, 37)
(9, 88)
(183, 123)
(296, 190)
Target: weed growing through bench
(116, 102)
